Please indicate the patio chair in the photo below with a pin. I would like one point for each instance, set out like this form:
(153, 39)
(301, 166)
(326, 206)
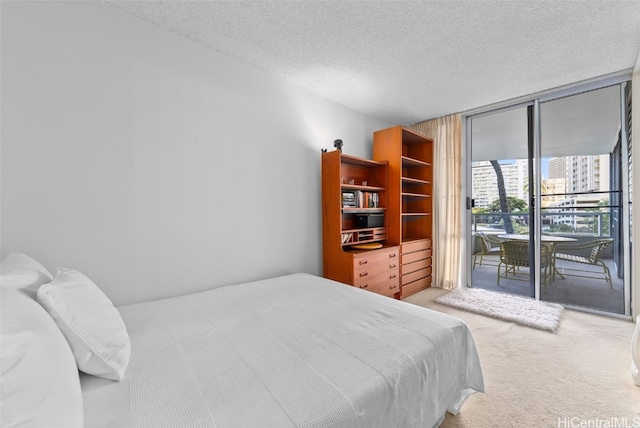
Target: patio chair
(515, 254)
(587, 253)
(489, 248)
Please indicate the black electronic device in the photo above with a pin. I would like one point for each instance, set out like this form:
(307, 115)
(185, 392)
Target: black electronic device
(370, 220)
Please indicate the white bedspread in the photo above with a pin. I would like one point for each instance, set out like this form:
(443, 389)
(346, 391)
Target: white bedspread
(293, 351)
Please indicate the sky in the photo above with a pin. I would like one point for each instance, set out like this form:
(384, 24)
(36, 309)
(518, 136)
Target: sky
(544, 167)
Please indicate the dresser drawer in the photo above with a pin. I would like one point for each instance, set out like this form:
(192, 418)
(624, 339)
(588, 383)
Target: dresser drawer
(418, 255)
(386, 284)
(376, 275)
(414, 276)
(415, 286)
(412, 267)
(413, 246)
(387, 257)
(375, 270)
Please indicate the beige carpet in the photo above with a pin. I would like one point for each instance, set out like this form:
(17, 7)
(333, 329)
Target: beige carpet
(578, 375)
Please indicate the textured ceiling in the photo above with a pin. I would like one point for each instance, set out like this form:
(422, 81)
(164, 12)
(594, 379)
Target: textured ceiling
(582, 124)
(405, 61)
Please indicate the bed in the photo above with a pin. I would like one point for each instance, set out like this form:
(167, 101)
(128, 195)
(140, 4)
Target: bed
(292, 351)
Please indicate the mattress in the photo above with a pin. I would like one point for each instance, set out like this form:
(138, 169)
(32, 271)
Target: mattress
(292, 351)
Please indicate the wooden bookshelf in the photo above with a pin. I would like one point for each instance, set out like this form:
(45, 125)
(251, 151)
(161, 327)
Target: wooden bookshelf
(354, 212)
(410, 203)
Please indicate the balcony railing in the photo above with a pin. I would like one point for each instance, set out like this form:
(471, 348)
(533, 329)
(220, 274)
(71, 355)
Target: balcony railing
(592, 223)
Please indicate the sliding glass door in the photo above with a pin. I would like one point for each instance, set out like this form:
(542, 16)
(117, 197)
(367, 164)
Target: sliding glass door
(581, 145)
(502, 215)
(549, 199)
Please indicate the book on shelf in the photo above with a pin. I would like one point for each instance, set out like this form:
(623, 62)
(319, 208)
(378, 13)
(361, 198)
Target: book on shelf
(360, 199)
(349, 200)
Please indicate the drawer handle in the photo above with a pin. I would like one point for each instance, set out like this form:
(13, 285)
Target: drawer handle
(363, 274)
(392, 255)
(364, 286)
(392, 287)
(363, 262)
(392, 266)
(392, 276)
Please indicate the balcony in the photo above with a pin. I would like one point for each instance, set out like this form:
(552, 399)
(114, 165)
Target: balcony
(574, 284)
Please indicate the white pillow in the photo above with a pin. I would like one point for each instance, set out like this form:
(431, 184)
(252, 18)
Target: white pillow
(40, 385)
(21, 271)
(92, 325)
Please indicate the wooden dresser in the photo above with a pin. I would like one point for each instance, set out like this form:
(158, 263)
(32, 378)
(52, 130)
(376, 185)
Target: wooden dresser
(415, 266)
(377, 270)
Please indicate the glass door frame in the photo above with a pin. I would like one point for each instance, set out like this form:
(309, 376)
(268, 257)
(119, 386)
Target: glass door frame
(622, 79)
(533, 166)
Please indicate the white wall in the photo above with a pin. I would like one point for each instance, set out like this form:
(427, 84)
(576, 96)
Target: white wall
(152, 164)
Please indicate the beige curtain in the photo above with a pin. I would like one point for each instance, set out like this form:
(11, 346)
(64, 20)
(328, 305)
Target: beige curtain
(446, 133)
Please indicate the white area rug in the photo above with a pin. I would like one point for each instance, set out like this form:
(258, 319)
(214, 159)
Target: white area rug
(521, 310)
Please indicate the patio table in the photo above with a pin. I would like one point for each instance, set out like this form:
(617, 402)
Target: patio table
(550, 239)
